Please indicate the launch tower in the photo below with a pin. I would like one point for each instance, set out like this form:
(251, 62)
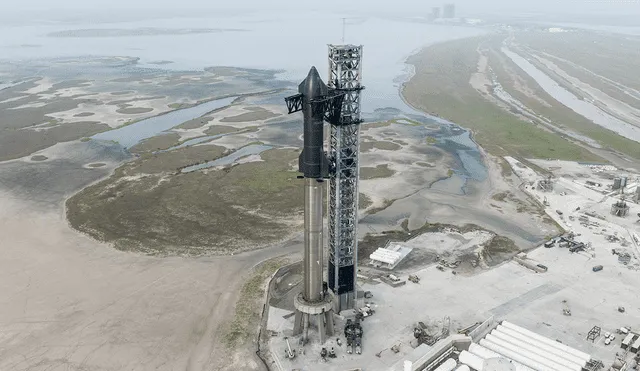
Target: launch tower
(345, 69)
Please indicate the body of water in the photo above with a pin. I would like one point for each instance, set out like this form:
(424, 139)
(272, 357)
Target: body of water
(130, 135)
(290, 43)
(581, 107)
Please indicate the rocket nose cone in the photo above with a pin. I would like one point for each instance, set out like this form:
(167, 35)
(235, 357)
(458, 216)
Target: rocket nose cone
(313, 84)
(313, 73)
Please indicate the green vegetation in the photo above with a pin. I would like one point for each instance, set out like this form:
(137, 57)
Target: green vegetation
(364, 201)
(385, 203)
(431, 140)
(617, 57)
(380, 171)
(441, 87)
(180, 105)
(510, 75)
(382, 145)
(148, 206)
(157, 143)
(246, 317)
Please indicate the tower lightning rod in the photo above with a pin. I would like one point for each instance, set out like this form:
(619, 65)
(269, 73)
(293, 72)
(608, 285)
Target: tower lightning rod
(344, 28)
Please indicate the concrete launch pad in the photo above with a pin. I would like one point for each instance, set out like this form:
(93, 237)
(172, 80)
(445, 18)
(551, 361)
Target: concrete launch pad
(508, 291)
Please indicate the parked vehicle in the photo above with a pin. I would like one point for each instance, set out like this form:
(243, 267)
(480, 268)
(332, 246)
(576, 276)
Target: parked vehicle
(597, 268)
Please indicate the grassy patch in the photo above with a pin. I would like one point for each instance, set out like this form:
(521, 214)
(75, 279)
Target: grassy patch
(385, 203)
(380, 171)
(156, 143)
(431, 140)
(382, 145)
(501, 196)
(147, 206)
(364, 201)
(446, 69)
(246, 317)
(556, 112)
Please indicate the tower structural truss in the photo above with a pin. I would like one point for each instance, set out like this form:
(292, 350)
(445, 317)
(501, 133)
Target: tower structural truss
(345, 69)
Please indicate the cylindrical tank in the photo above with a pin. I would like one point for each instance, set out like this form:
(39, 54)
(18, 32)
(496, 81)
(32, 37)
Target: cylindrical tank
(540, 347)
(471, 360)
(463, 368)
(498, 364)
(531, 352)
(516, 356)
(485, 353)
(313, 204)
(448, 365)
(543, 339)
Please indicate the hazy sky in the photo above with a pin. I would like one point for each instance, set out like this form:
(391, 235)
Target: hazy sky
(465, 6)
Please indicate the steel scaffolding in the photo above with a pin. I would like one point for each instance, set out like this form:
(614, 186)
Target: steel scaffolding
(345, 68)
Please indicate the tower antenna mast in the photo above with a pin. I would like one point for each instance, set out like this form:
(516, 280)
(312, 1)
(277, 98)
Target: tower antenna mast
(344, 28)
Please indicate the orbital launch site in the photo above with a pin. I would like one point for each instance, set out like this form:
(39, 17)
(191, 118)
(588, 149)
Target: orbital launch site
(410, 186)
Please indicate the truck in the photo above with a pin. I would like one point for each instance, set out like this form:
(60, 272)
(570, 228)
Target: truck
(597, 268)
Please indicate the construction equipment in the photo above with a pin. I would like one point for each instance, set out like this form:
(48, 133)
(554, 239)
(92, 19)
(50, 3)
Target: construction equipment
(323, 354)
(597, 268)
(353, 332)
(566, 310)
(289, 353)
(413, 278)
(594, 333)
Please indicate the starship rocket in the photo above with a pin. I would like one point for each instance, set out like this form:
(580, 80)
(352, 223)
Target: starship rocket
(313, 164)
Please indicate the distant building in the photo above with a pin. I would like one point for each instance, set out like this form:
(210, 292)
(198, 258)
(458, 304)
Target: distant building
(435, 12)
(449, 11)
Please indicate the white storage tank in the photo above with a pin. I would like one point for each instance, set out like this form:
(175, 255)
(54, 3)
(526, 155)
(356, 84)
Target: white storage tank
(532, 355)
(473, 361)
(515, 356)
(463, 368)
(546, 340)
(498, 364)
(448, 365)
(485, 353)
(539, 348)
(539, 344)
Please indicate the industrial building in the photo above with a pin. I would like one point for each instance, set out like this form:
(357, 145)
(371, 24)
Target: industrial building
(435, 13)
(449, 11)
(503, 346)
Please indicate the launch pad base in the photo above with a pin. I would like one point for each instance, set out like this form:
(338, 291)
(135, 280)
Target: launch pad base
(323, 313)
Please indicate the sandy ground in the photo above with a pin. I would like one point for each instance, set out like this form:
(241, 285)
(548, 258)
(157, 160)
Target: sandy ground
(70, 303)
(510, 291)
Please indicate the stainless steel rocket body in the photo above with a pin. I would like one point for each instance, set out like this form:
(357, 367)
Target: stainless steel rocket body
(313, 228)
(313, 163)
